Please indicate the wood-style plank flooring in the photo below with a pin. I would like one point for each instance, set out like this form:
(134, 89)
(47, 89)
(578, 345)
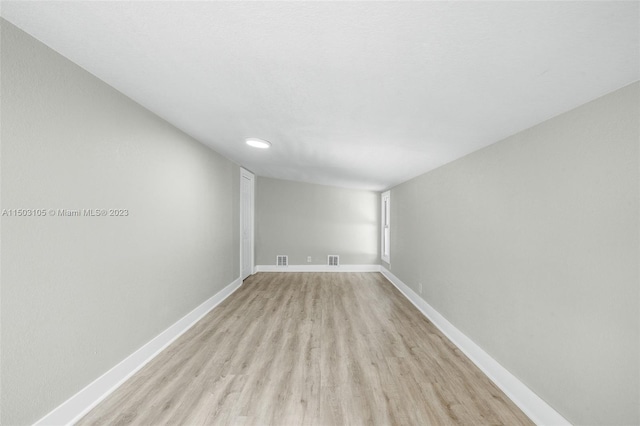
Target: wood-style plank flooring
(310, 349)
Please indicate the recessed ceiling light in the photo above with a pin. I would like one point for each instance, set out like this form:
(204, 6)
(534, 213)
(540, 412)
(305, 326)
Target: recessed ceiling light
(258, 143)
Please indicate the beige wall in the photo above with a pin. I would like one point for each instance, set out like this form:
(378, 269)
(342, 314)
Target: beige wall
(302, 219)
(79, 294)
(530, 247)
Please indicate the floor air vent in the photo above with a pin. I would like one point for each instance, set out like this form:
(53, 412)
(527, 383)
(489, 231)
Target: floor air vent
(282, 260)
(333, 260)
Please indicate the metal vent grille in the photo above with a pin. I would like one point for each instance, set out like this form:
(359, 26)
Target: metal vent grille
(282, 260)
(333, 260)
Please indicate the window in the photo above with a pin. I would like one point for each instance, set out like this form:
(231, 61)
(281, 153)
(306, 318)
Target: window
(385, 248)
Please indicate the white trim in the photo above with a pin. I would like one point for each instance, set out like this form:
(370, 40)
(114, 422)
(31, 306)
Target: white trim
(384, 213)
(531, 404)
(318, 268)
(74, 408)
(246, 173)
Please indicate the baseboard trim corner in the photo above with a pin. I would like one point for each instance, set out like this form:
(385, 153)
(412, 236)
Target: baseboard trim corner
(74, 408)
(318, 268)
(531, 404)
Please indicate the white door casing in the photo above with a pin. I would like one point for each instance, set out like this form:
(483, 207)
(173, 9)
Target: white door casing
(247, 181)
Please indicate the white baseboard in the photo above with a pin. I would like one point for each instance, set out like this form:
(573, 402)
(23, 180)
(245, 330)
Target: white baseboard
(531, 404)
(82, 402)
(318, 268)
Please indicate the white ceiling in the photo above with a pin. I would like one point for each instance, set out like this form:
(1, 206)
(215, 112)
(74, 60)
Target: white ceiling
(356, 94)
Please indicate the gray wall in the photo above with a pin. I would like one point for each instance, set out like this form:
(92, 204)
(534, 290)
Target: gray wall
(79, 294)
(302, 219)
(530, 247)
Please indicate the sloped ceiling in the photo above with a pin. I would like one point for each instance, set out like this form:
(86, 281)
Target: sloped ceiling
(355, 94)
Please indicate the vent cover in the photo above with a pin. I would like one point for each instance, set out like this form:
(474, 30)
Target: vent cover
(282, 260)
(333, 260)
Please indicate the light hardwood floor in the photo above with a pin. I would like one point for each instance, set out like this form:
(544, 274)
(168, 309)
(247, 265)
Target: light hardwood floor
(310, 349)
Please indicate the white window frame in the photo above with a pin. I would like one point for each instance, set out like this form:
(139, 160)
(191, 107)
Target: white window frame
(385, 226)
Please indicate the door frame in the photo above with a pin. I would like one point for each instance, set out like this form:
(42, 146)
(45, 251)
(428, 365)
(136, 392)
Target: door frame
(244, 173)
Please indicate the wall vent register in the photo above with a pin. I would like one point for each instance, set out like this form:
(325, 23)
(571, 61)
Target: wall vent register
(282, 260)
(333, 260)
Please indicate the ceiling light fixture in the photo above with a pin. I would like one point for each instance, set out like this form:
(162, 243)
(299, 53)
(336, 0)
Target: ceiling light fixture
(258, 143)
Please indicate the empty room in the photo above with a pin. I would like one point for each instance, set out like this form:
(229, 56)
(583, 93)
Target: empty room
(320, 213)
